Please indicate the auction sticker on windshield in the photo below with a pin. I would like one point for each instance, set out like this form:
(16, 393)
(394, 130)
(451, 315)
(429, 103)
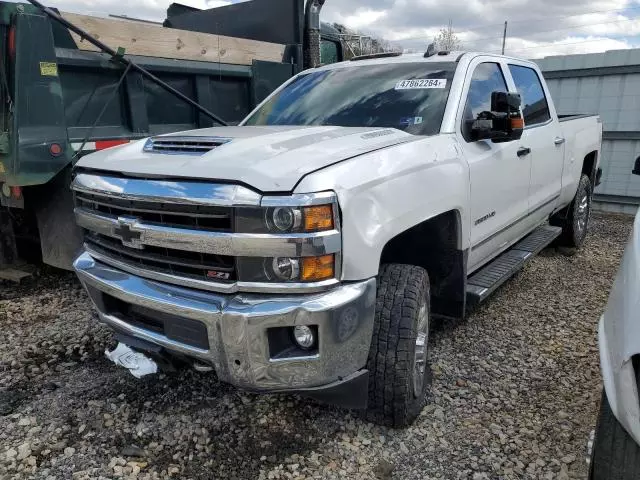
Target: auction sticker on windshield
(421, 83)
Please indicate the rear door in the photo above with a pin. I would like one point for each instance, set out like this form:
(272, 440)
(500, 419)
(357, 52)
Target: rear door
(542, 136)
(499, 177)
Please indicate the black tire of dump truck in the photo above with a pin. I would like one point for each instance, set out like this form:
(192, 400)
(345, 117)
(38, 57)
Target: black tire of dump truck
(615, 454)
(574, 219)
(399, 375)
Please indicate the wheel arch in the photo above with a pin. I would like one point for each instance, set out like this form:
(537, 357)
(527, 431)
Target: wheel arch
(435, 245)
(590, 166)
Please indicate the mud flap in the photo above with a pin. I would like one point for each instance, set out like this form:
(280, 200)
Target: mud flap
(60, 237)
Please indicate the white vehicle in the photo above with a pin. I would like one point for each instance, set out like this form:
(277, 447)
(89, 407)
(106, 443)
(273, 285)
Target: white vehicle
(616, 448)
(307, 249)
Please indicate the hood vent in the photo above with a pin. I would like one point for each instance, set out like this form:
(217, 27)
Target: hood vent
(184, 145)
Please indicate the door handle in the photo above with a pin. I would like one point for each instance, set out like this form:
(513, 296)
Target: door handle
(523, 151)
(559, 140)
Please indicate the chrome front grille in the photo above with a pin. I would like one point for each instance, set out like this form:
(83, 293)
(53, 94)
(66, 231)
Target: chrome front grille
(131, 230)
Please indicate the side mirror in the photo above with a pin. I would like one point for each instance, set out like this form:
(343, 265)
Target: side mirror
(503, 123)
(636, 167)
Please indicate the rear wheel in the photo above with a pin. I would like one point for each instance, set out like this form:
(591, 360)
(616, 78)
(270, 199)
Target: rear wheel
(615, 455)
(574, 220)
(399, 374)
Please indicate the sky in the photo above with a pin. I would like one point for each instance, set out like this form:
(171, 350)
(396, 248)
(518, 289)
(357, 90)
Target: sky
(535, 28)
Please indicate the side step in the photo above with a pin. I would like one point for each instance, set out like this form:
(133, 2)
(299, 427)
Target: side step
(485, 281)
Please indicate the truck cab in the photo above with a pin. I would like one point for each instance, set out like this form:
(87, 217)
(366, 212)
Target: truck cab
(310, 248)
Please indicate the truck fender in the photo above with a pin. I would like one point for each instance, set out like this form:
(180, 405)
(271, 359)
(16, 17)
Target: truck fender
(387, 192)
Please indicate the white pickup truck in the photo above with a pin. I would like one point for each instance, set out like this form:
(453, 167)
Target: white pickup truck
(308, 249)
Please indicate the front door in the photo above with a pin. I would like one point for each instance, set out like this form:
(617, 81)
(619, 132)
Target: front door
(499, 172)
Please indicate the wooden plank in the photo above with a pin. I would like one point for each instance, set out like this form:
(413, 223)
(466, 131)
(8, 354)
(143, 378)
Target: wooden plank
(14, 275)
(150, 40)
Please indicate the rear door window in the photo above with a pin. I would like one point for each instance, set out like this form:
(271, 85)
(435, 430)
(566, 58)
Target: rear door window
(534, 103)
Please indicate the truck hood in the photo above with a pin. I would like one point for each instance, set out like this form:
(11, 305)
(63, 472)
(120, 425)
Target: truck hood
(270, 159)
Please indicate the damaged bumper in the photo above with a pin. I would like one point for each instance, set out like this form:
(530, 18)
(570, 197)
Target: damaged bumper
(246, 338)
(619, 340)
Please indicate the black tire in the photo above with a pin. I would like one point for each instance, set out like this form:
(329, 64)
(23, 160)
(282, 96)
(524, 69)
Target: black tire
(402, 302)
(615, 455)
(574, 219)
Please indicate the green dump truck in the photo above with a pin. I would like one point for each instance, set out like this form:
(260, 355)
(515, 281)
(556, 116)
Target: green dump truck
(62, 98)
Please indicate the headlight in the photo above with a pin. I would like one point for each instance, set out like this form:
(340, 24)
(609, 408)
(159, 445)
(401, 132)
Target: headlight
(287, 270)
(316, 218)
(306, 226)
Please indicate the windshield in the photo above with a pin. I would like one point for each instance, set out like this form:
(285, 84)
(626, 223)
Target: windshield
(408, 96)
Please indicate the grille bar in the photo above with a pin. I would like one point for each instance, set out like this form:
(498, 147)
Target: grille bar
(165, 192)
(152, 207)
(171, 257)
(215, 219)
(220, 243)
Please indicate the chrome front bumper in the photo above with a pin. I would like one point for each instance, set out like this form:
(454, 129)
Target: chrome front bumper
(241, 328)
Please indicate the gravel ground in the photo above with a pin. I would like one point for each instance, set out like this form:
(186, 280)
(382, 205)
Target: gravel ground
(514, 394)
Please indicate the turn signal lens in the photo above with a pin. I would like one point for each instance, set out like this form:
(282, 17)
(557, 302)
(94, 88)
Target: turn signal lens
(517, 122)
(317, 268)
(318, 218)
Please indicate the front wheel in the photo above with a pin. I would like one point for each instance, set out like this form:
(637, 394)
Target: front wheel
(574, 220)
(615, 455)
(399, 374)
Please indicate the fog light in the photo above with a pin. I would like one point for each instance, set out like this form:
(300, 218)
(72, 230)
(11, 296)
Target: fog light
(304, 337)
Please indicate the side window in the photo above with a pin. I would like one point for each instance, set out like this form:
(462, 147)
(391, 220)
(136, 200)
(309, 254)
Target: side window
(487, 78)
(534, 103)
(328, 52)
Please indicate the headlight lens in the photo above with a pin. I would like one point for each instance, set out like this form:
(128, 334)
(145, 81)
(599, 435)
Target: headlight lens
(286, 269)
(283, 219)
(316, 218)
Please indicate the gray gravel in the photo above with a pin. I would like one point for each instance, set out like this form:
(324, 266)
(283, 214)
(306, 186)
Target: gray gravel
(514, 394)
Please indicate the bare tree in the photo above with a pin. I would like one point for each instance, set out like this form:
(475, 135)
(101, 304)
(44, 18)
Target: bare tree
(447, 40)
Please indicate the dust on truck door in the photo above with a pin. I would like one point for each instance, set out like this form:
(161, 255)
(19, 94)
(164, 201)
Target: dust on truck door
(542, 135)
(499, 172)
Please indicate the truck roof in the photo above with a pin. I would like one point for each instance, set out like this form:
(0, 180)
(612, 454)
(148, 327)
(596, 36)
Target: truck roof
(453, 56)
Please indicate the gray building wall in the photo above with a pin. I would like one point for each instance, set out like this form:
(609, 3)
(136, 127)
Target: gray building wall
(607, 84)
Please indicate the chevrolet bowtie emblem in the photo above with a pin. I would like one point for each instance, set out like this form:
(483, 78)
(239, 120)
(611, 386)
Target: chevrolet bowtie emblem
(128, 233)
